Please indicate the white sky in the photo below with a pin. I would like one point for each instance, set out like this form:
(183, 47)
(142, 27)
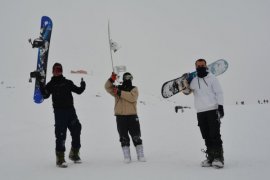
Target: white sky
(160, 40)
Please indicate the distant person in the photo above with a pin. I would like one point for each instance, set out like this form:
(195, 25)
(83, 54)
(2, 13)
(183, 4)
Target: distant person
(125, 110)
(208, 99)
(65, 115)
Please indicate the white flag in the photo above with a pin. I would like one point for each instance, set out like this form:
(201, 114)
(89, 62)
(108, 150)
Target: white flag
(114, 45)
(119, 69)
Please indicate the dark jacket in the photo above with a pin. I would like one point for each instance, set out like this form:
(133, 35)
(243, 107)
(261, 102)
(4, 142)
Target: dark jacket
(61, 90)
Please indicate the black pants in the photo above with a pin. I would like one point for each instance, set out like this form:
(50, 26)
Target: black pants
(209, 124)
(129, 125)
(67, 119)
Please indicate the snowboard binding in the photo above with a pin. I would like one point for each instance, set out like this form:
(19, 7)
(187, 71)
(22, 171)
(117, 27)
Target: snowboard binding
(37, 75)
(37, 43)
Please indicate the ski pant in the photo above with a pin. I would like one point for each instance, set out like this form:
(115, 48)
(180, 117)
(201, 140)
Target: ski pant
(129, 125)
(209, 123)
(67, 119)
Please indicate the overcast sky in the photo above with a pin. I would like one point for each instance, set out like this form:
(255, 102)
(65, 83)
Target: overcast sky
(160, 40)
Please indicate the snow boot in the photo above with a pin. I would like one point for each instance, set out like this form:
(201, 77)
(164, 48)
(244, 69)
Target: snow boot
(126, 152)
(74, 155)
(209, 158)
(140, 154)
(218, 161)
(60, 159)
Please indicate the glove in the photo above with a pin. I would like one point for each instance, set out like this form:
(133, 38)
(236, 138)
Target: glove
(116, 91)
(184, 84)
(113, 77)
(185, 87)
(83, 84)
(221, 111)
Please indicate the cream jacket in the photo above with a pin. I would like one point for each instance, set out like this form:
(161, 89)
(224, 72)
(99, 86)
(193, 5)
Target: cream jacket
(126, 104)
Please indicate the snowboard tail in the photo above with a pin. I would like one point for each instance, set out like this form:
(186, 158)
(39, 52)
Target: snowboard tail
(172, 87)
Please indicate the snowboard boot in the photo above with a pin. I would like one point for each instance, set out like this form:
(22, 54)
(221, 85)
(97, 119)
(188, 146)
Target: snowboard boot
(218, 161)
(60, 159)
(140, 154)
(126, 152)
(209, 158)
(74, 155)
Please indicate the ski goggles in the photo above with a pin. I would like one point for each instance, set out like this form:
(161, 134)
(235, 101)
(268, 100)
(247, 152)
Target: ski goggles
(127, 77)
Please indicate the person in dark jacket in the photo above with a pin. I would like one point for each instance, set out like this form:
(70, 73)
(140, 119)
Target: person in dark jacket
(64, 112)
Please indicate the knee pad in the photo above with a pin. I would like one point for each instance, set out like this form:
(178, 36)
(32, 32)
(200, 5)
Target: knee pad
(137, 140)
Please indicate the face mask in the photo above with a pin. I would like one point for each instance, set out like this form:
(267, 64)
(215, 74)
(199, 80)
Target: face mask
(201, 72)
(127, 83)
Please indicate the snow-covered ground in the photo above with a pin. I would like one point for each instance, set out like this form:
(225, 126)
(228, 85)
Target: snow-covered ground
(160, 40)
(172, 140)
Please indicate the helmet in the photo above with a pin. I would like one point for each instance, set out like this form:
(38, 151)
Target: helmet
(127, 76)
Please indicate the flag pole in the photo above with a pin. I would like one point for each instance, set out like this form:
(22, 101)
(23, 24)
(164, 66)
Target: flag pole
(109, 35)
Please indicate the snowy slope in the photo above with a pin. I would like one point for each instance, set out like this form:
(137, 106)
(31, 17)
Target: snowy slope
(160, 40)
(172, 140)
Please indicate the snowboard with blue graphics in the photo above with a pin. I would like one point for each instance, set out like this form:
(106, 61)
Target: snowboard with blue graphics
(43, 44)
(172, 87)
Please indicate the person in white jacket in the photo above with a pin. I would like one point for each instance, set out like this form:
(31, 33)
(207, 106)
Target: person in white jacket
(208, 101)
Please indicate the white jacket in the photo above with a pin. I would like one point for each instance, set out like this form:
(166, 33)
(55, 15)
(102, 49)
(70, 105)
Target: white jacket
(207, 93)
